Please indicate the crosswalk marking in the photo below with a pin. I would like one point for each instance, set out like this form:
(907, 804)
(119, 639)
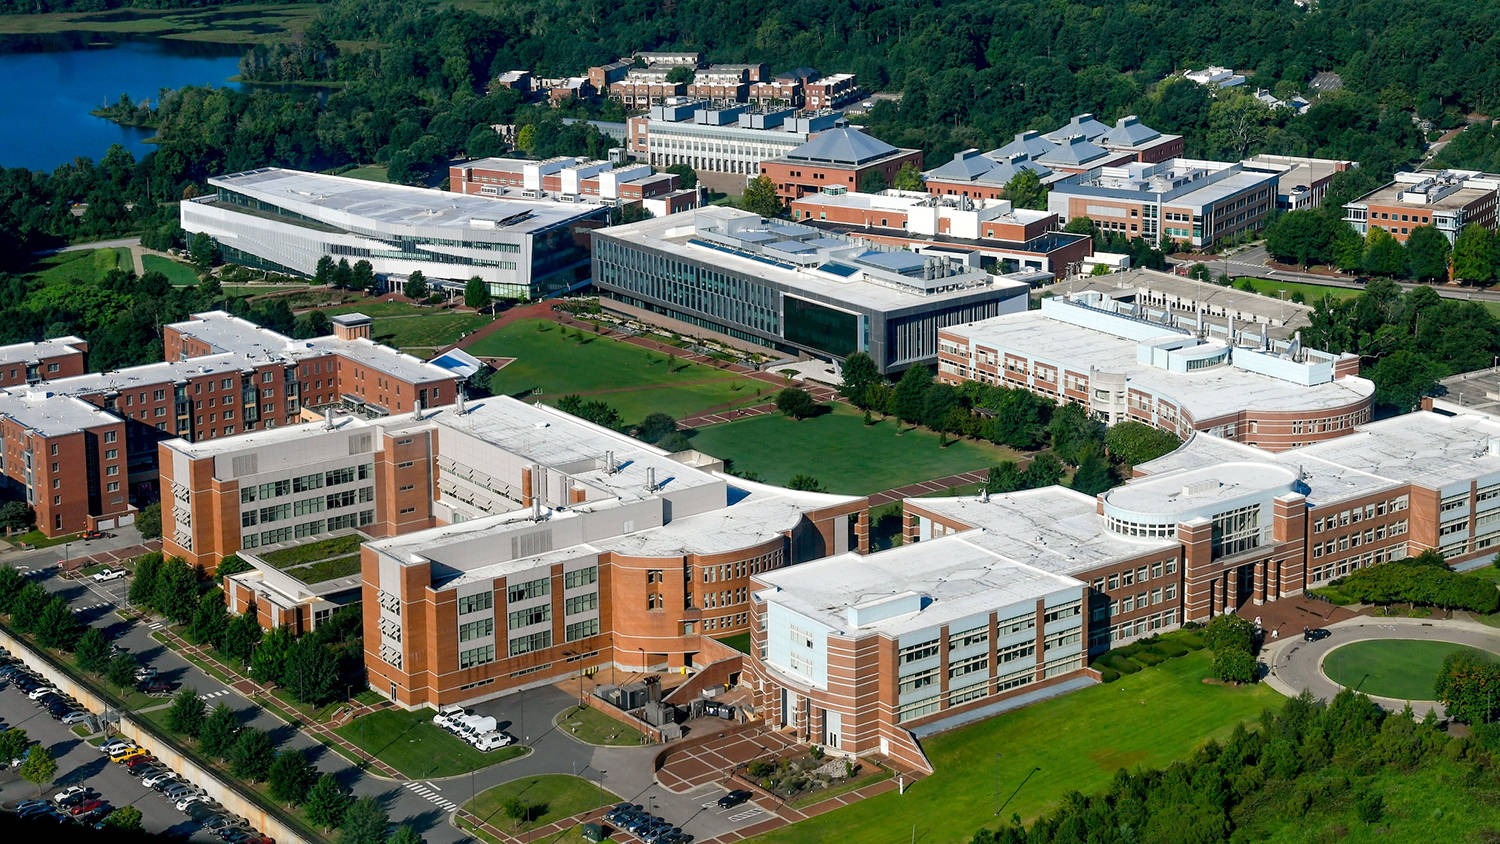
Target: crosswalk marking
(745, 815)
(431, 796)
(212, 695)
(155, 625)
(88, 607)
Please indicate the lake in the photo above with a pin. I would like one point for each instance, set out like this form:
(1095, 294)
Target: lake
(46, 96)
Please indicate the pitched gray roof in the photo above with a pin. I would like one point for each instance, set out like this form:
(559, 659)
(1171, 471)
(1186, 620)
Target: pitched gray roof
(844, 145)
(970, 167)
(1074, 151)
(1081, 124)
(1129, 132)
(1030, 143)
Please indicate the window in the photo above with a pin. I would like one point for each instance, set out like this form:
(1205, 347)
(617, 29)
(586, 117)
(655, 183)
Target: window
(529, 616)
(1012, 653)
(476, 629)
(1062, 612)
(1235, 531)
(913, 653)
(581, 630)
(474, 603)
(529, 589)
(533, 642)
(580, 577)
(581, 603)
(653, 576)
(973, 636)
(653, 601)
(483, 655)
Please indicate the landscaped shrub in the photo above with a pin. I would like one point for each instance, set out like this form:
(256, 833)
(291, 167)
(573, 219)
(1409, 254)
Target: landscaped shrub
(1424, 579)
(1147, 657)
(1109, 675)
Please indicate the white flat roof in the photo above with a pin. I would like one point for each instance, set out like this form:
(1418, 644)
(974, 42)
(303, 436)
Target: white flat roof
(336, 199)
(758, 513)
(31, 352)
(903, 201)
(956, 577)
(148, 374)
(1200, 487)
(1205, 393)
(1054, 529)
(50, 414)
(674, 235)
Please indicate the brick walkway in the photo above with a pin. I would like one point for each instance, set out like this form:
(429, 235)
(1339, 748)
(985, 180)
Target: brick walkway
(118, 555)
(318, 732)
(694, 766)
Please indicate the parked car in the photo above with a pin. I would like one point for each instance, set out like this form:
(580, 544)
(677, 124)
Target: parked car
(36, 693)
(127, 754)
(75, 717)
(72, 793)
(96, 534)
(1316, 634)
(33, 810)
(160, 776)
(106, 575)
(733, 798)
(88, 805)
(145, 674)
(492, 741)
(158, 688)
(446, 714)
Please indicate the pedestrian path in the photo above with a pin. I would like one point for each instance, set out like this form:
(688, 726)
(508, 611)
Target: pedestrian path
(212, 695)
(432, 794)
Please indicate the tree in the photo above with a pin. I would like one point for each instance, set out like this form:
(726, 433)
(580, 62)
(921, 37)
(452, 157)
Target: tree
(362, 276)
(1094, 474)
(252, 754)
(859, 374)
(805, 483)
(681, 75)
(1072, 432)
(1134, 443)
(39, 767)
(415, 287)
(911, 394)
(1474, 255)
(1237, 122)
(796, 403)
(1231, 638)
(13, 743)
(291, 776)
(592, 410)
(92, 653)
(518, 810)
(29, 605)
(654, 427)
(365, 822)
(476, 294)
(124, 819)
(760, 197)
(311, 672)
(269, 662)
(1466, 684)
(326, 802)
(1079, 225)
(177, 590)
(324, 274)
(1025, 190)
(1427, 254)
(909, 178)
(1297, 236)
(121, 670)
(343, 274)
(406, 835)
(873, 181)
(687, 177)
(241, 635)
(231, 565)
(1403, 377)
(148, 520)
(17, 515)
(209, 618)
(11, 584)
(186, 713)
(1006, 477)
(57, 626)
(216, 737)
(1045, 469)
(1383, 253)
(203, 252)
(144, 583)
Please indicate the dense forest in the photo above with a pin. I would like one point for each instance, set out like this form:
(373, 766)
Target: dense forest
(405, 83)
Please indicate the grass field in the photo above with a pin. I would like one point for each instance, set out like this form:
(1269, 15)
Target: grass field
(1403, 669)
(81, 265)
(311, 552)
(427, 331)
(413, 745)
(594, 727)
(552, 797)
(850, 457)
(1313, 293)
(633, 380)
(1076, 742)
(371, 173)
(739, 641)
(220, 25)
(178, 273)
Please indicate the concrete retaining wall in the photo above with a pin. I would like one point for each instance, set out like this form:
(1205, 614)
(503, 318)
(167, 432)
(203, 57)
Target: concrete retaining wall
(220, 790)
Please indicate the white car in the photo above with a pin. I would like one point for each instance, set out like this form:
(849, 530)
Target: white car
(187, 801)
(106, 575)
(75, 717)
(493, 741)
(445, 716)
(41, 690)
(152, 780)
(115, 746)
(68, 792)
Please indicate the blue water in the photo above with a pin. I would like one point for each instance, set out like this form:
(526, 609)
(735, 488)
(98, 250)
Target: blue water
(45, 97)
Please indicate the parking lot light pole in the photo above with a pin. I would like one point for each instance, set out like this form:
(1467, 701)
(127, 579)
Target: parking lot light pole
(997, 785)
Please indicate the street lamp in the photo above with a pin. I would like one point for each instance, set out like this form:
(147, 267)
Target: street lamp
(997, 785)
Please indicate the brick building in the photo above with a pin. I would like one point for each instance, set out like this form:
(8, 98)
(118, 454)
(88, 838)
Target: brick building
(1015, 239)
(843, 156)
(1447, 200)
(724, 145)
(28, 363)
(575, 179)
(1188, 202)
(1301, 182)
(66, 458)
(980, 176)
(1128, 362)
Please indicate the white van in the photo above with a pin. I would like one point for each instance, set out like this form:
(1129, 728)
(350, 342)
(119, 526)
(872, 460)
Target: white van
(493, 741)
(445, 716)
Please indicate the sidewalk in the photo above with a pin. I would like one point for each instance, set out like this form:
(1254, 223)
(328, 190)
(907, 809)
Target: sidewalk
(262, 696)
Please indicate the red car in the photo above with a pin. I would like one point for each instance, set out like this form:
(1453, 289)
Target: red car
(143, 759)
(96, 534)
(86, 806)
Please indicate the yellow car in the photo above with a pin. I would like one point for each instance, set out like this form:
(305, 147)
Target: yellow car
(127, 753)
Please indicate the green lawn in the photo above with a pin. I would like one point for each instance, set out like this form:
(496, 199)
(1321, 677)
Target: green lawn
(594, 727)
(326, 569)
(1313, 293)
(82, 265)
(178, 273)
(1403, 669)
(426, 331)
(739, 641)
(842, 452)
(551, 796)
(413, 745)
(371, 173)
(1078, 741)
(633, 380)
(311, 552)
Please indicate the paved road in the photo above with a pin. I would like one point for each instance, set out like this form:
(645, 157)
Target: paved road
(1297, 665)
(1252, 262)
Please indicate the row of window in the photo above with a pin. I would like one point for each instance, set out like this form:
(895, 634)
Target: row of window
(304, 483)
(1356, 539)
(1160, 568)
(1354, 514)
